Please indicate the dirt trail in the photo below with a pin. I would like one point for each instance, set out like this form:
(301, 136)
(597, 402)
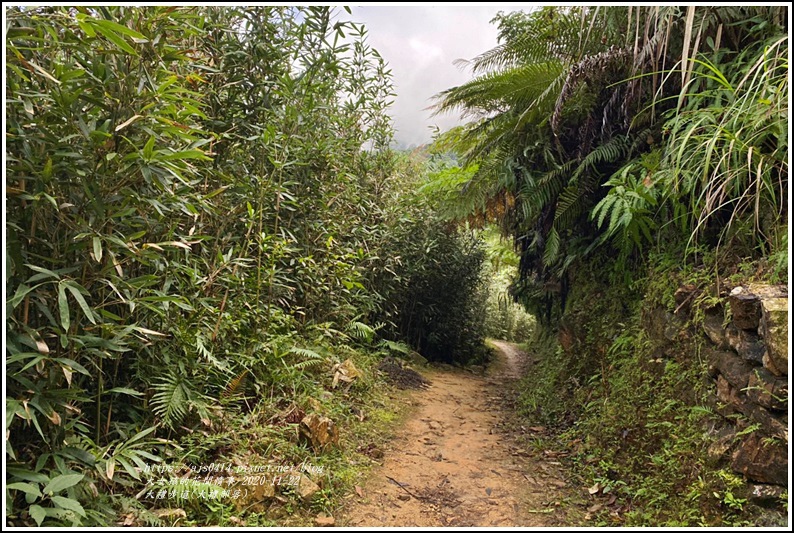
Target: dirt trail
(451, 464)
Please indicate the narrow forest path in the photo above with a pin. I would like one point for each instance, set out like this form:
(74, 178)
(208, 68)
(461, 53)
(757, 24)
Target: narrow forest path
(453, 463)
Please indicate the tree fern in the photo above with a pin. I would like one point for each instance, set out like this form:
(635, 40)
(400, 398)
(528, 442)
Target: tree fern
(546, 33)
(611, 151)
(569, 206)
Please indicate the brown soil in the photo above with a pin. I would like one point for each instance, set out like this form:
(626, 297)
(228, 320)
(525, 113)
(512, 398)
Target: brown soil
(454, 464)
(401, 376)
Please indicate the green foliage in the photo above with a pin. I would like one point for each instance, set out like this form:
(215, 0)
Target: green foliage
(173, 398)
(728, 145)
(633, 413)
(621, 149)
(436, 300)
(629, 208)
(582, 136)
(504, 318)
(203, 213)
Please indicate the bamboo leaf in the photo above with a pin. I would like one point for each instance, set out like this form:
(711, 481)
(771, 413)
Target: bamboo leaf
(27, 475)
(119, 28)
(140, 435)
(128, 467)
(114, 38)
(63, 482)
(185, 154)
(128, 122)
(63, 307)
(148, 148)
(43, 270)
(74, 288)
(89, 31)
(74, 365)
(44, 72)
(124, 390)
(19, 295)
(97, 244)
(149, 332)
(176, 244)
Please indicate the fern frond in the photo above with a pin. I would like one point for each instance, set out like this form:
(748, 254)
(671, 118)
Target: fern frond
(361, 331)
(235, 385)
(305, 352)
(308, 363)
(399, 347)
(310, 357)
(611, 151)
(569, 206)
(171, 402)
(552, 250)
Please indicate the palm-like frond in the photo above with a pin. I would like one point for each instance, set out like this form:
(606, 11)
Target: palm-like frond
(499, 91)
(310, 358)
(235, 385)
(174, 398)
(361, 331)
(572, 98)
(561, 34)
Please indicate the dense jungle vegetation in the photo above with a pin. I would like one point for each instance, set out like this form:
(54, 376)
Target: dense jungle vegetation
(627, 152)
(204, 217)
(208, 236)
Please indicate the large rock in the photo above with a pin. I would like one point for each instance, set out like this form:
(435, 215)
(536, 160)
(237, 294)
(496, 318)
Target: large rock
(712, 358)
(745, 308)
(770, 425)
(319, 430)
(733, 368)
(726, 410)
(766, 390)
(762, 461)
(258, 497)
(345, 372)
(715, 331)
(766, 495)
(307, 488)
(662, 326)
(684, 296)
(774, 329)
(720, 450)
(416, 358)
(765, 291)
(769, 365)
(746, 343)
(673, 327)
(725, 393)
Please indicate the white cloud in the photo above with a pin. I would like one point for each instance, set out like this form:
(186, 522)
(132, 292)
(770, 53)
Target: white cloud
(420, 43)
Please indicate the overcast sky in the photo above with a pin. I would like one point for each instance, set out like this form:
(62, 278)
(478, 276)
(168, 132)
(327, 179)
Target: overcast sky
(420, 44)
